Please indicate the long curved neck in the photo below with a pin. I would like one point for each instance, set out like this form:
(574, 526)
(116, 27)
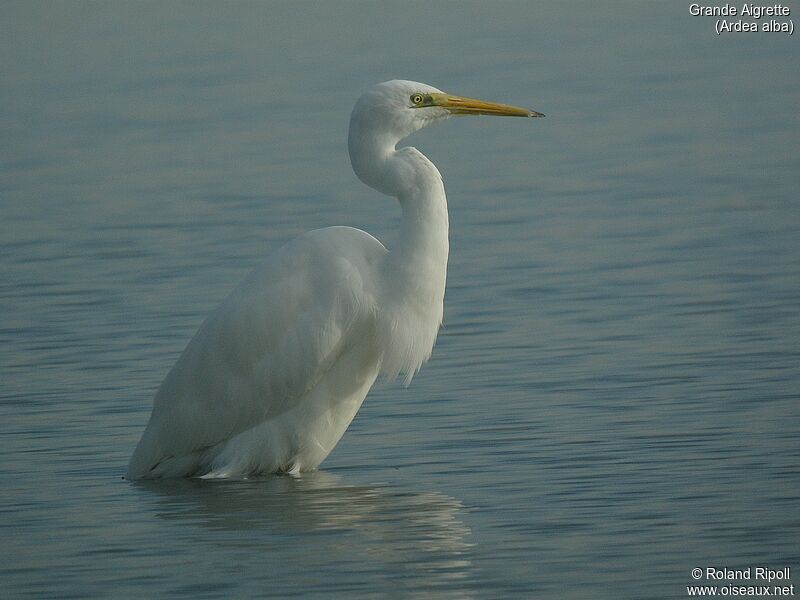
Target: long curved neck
(423, 244)
(415, 272)
(420, 259)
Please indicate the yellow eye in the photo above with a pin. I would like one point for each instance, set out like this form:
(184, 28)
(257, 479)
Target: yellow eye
(417, 99)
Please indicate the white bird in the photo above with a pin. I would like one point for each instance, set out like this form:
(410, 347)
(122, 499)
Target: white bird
(275, 375)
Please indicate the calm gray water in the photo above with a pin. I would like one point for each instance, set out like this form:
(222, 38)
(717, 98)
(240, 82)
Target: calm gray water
(613, 400)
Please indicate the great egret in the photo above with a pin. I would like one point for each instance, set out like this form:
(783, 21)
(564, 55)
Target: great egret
(275, 375)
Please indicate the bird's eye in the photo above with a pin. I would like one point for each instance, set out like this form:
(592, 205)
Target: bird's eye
(417, 99)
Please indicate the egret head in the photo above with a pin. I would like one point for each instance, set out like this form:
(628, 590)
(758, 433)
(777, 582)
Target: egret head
(393, 110)
(398, 108)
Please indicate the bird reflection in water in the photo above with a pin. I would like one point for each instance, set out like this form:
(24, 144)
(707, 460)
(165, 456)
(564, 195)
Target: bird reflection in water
(301, 523)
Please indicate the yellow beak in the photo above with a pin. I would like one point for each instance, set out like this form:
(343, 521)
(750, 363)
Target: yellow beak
(459, 105)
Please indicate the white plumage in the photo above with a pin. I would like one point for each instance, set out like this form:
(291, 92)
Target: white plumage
(275, 375)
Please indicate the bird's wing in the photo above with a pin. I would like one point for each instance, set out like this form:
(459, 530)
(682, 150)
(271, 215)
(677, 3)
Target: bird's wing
(267, 345)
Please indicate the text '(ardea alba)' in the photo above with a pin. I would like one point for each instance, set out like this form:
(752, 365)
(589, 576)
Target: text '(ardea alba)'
(276, 374)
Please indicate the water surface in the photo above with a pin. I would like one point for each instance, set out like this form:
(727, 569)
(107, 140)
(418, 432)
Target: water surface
(613, 399)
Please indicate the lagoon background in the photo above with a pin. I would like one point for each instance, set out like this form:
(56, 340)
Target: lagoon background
(613, 399)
